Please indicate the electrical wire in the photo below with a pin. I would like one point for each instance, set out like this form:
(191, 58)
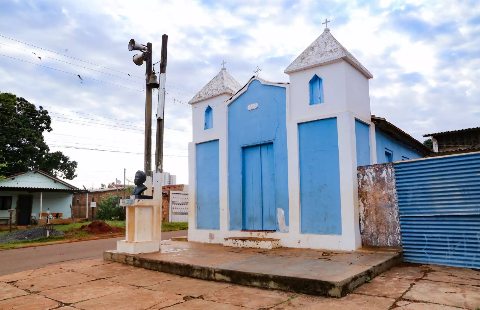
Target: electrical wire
(68, 56)
(85, 77)
(72, 63)
(112, 151)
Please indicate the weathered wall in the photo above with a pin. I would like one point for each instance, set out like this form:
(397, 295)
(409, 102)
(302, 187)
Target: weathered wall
(378, 206)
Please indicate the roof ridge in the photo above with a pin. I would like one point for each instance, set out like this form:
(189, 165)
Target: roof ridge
(324, 50)
(222, 83)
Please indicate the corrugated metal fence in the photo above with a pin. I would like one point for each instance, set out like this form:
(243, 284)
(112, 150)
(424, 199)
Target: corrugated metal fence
(439, 203)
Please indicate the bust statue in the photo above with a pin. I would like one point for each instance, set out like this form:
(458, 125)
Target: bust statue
(140, 178)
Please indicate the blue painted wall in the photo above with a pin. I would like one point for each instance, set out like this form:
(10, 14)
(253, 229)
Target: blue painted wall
(208, 196)
(363, 143)
(319, 178)
(266, 124)
(398, 149)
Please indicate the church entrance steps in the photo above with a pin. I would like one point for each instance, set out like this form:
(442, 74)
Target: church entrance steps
(314, 272)
(252, 242)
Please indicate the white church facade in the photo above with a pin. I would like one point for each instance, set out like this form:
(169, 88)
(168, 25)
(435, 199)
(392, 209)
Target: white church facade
(279, 160)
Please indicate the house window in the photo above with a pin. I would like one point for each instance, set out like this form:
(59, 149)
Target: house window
(388, 156)
(93, 199)
(316, 90)
(5, 202)
(208, 118)
(78, 201)
(405, 158)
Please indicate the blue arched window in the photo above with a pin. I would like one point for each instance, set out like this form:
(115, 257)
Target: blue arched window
(316, 90)
(208, 118)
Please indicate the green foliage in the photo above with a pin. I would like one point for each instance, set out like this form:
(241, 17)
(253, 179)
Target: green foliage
(107, 208)
(166, 226)
(428, 143)
(22, 146)
(2, 177)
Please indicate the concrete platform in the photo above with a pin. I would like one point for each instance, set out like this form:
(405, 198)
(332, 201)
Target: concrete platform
(314, 272)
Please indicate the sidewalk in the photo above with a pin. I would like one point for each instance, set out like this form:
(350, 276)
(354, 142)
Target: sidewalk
(98, 284)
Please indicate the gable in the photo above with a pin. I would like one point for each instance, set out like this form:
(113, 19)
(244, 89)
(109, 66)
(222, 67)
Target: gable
(33, 180)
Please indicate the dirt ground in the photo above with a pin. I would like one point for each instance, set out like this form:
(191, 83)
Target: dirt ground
(97, 284)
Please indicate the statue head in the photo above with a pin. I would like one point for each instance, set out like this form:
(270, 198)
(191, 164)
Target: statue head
(140, 178)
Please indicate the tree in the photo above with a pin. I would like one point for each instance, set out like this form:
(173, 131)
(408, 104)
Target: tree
(22, 145)
(428, 143)
(108, 209)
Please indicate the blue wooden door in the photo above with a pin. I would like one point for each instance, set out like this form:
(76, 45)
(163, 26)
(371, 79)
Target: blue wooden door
(258, 188)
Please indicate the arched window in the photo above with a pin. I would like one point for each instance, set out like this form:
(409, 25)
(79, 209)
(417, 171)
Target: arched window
(316, 90)
(208, 118)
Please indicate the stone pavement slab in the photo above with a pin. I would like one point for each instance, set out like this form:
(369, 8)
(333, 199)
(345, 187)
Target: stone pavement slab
(189, 287)
(463, 296)
(299, 301)
(9, 291)
(329, 273)
(441, 276)
(385, 287)
(50, 281)
(134, 299)
(405, 305)
(354, 302)
(83, 264)
(108, 270)
(198, 304)
(242, 296)
(410, 272)
(144, 277)
(29, 302)
(85, 291)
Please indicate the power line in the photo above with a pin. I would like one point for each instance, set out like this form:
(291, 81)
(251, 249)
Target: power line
(68, 56)
(135, 76)
(70, 63)
(71, 73)
(112, 151)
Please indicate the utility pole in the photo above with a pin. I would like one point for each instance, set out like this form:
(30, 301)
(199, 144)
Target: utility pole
(151, 82)
(148, 114)
(161, 107)
(124, 172)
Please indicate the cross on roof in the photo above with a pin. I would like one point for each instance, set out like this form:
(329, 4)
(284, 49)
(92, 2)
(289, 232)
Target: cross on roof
(223, 64)
(326, 23)
(257, 71)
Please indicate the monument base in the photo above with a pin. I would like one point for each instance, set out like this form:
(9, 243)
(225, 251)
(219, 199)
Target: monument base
(138, 247)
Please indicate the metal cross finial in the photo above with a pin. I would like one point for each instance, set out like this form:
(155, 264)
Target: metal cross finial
(257, 71)
(223, 64)
(326, 23)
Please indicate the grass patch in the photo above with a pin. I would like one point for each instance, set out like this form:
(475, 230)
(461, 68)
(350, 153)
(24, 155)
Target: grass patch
(174, 226)
(6, 231)
(66, 227)
(39, 240)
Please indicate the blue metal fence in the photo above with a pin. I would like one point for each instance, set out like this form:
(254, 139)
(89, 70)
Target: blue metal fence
(439, 203)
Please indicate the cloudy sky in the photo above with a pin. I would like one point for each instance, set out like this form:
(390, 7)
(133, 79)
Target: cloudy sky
(424, 55)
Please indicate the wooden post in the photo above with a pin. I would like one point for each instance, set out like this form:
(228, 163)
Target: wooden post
(41, 204)
(161, 107)
(148, 114)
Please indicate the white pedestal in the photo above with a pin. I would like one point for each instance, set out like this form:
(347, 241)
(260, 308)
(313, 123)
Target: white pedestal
(132, 247)
(144, 223)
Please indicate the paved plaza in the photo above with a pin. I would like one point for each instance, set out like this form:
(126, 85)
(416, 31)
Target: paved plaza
(98, 284)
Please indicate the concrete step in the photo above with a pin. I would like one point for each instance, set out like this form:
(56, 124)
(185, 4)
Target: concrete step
(252, 242)
(324, 273)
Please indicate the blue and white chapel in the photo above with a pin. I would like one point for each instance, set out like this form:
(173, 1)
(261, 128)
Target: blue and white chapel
(279, 160)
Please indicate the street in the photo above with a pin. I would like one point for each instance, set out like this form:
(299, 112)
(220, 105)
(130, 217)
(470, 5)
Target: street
(17, 260)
